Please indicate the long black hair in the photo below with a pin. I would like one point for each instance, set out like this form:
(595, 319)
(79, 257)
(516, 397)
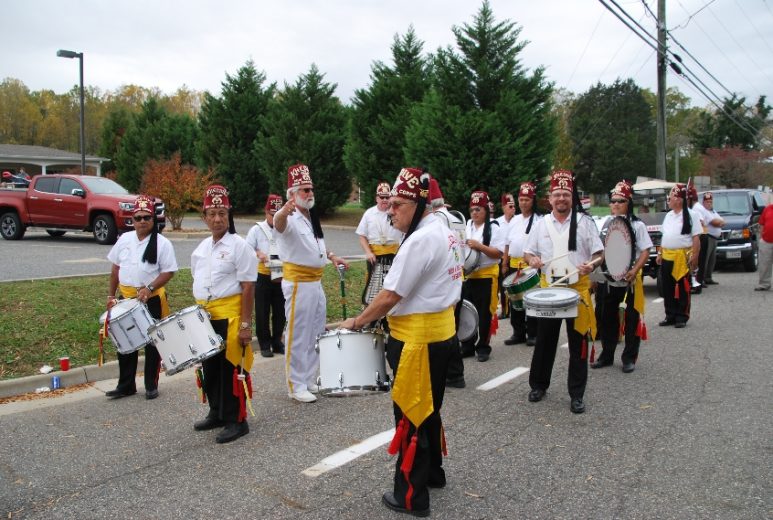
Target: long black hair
(576, 207)
(151, 250)
(421, 204)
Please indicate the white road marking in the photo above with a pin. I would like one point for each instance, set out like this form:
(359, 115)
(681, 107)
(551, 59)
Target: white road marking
(657, 300)
(85, 261)
(564, 345)
(344, 456)
(504, 378)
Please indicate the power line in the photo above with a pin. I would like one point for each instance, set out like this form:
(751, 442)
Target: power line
(582, 55)
(680, 26)
(754, 26)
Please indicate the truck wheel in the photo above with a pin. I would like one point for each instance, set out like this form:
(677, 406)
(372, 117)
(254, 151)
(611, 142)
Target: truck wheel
(55, 232)
(11, 227)
(750, 262)
(105, 231)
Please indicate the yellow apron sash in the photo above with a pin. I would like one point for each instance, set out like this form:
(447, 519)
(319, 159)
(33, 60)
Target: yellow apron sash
(263, 269)
(517, 262)
(679, 257)
(230, 308)
(585, 322)
(638, 294)
(492, 272)
(412, 389)
(128, 291)
(388, 249)
(301, 273)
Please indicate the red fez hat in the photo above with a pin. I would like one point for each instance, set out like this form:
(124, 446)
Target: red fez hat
(479, 198)
(623, 189)
(434, 190)
(216, 196)
(708, 196)
(679, 190)
(692, 192)
(506, 199)
(144, 203)
(408, 185)
(527, 189)
(273, 202)
(298, 175)
(561, 180)
(383, 189)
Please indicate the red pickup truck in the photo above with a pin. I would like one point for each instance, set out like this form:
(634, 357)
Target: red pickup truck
(60, 202)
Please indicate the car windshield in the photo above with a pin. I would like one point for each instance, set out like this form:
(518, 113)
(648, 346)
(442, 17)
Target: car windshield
(731, 203)
(102, 185)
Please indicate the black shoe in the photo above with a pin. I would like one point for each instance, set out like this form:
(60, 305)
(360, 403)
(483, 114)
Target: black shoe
(266, 353)
(279, 348)
(436, 484)
(600, 364)
(391, 502)
(536, 395)
(696, 290)
(456, 383)
(151, 394)
(232, 431)
(117, 394)
(710, 282)
(577, 405)
(628, 367)
(762, 288)
(530, 342)
(515, 340)
(483, 357)
(208, 423)
(667, 323)
(680, 325)
(468, 353)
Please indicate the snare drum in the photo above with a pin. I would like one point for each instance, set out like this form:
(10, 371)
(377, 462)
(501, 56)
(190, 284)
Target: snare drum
(185, 338)
(552, 302)
(128, 325)
(471, 261)
(351, 362)
(517, 283)
(468, 321)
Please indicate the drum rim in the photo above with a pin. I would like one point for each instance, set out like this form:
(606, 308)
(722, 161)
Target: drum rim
(620, 225)
(525, 272)
(175, 315)
(352, 391)
(121, 304)
(570, 300)
(337, 332)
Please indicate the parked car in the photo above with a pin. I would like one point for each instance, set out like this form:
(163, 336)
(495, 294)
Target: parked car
(16, 179)
(59, 203)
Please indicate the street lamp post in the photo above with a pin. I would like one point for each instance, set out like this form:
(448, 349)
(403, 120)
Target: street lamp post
(71, 54)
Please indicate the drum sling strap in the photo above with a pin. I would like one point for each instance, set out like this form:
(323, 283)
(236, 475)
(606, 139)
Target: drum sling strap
(127, 291)
(518, 262)
(380, 250)
(585, 322)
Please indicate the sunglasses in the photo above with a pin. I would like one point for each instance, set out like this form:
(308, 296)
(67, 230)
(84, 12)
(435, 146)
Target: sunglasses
(618, 201)
(396, 205)
(383, 198)
(140, 218)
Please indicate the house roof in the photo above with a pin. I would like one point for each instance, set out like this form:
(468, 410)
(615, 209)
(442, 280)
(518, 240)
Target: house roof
(23, 153)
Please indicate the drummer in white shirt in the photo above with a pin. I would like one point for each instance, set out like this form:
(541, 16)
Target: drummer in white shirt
(480, 287)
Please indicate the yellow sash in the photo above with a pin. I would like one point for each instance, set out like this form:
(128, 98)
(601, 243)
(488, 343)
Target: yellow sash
(679, 257)
(128, 291)
(585, 322)
(517, 262)
(388, 249)
(263, 269)
(230, 308)
(412, 389)
(638, 294)
(492, 272)
(301, 273)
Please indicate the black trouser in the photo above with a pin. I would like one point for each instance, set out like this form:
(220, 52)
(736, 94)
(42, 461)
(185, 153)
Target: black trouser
(608, 299)
(218, 381)
(676, 294)
(711, 258)
(478, 292)
(545, 354)
(127, 363)
(455, 363)
(523, 326)
(428, 463)
(702, 258)
(506, 310)
(269, 313)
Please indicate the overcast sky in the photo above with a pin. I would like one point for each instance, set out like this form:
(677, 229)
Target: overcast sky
(170, 43)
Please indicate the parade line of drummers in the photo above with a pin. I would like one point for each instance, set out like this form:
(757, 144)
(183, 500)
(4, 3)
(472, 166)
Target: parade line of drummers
(435, 281)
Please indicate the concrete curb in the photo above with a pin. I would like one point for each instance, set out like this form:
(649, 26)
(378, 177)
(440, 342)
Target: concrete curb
(72, 377)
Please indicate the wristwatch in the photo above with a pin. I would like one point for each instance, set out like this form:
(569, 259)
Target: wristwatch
(150, 287)
(244, 325)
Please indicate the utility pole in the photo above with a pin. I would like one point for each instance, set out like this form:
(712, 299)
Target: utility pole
(660, 154)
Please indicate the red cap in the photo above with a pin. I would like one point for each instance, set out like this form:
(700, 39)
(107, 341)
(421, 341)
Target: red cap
(383, 189)
(273, 202)
(408, 185)
(216, 196)
(479, 198)
(434, 190)
(561, 180)
(298, 175)
(144, 203)
(527, 189)
(623, 189)
(506, 199)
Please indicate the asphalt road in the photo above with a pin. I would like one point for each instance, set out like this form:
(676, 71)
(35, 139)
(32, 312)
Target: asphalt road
(687, 435)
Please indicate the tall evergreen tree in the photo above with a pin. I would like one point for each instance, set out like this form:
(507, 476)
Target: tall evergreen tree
(306, 124)
(153, 134)
(229, 125)
(486, 123)
(613, 132)
(737, 125)
(117, 122)
(381, 113)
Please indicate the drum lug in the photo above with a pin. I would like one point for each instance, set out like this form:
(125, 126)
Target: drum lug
(338, 341)
(160, 334)
(212, 341)
(180, 324)
(378, 378)
(200, 315)
(341, 379)
(172, 359)
(316, 347)
(192, 349)
(319, 381)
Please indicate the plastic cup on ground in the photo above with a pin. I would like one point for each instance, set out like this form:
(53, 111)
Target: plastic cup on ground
(64, 363)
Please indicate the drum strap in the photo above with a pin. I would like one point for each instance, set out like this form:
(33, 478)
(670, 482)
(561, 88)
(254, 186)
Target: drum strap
(380, 250)
(301, 273)
(230, 308)
(412, 389)
(127, 291)
(491, 271)
(585, 322)
(679, 257)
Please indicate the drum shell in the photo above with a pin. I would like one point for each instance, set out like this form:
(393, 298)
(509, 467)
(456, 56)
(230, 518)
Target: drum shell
(552, 302)
(185, 338)
(471, 261)
(351, 362)
(468, 321)
(128, 326)
(527, 279)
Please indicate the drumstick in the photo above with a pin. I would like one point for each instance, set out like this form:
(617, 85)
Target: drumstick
(573, 273)
(556, 258)
(341, 269)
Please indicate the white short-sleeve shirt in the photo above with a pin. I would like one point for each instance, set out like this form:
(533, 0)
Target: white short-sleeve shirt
(588, 241)
(218, 268)
(375, 227)
(498, 240)
(516, 238)
(127, 255)
(298, 245)
(672, 230)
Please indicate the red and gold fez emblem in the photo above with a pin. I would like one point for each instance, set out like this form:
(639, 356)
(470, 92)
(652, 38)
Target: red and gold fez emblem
(623, 189)
(408, 185)
(274, 202)
(216, 196)
(561, 180)
(383, 189)
(527, 189)
(298, 175)
(479, 198)
(144, 203)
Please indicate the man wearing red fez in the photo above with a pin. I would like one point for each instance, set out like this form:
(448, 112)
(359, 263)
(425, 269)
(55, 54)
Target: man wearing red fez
(303, 252)
(565, 244)
(143, 262)
(224, 270)
(486, 240)
(378, 239)
(419, 295)
(507, 202)
(678, 256)
(629, 292)
(269, 299)
(712, 223)
(524, 328)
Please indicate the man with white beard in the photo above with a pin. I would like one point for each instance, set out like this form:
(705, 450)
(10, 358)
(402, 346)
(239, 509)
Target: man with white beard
(302, 249)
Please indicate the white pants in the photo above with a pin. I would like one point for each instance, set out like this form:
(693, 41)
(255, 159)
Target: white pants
(305, 308)
(765, 263)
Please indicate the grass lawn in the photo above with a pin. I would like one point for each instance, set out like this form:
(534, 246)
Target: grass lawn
(46, 319)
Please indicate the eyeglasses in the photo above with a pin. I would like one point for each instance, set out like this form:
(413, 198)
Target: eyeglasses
(396, 205)
(140, 218)
(618, 201)
(306, 190)
(385, 197)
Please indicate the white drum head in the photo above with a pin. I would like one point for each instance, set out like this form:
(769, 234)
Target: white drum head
(618, 249)
(468, 321)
